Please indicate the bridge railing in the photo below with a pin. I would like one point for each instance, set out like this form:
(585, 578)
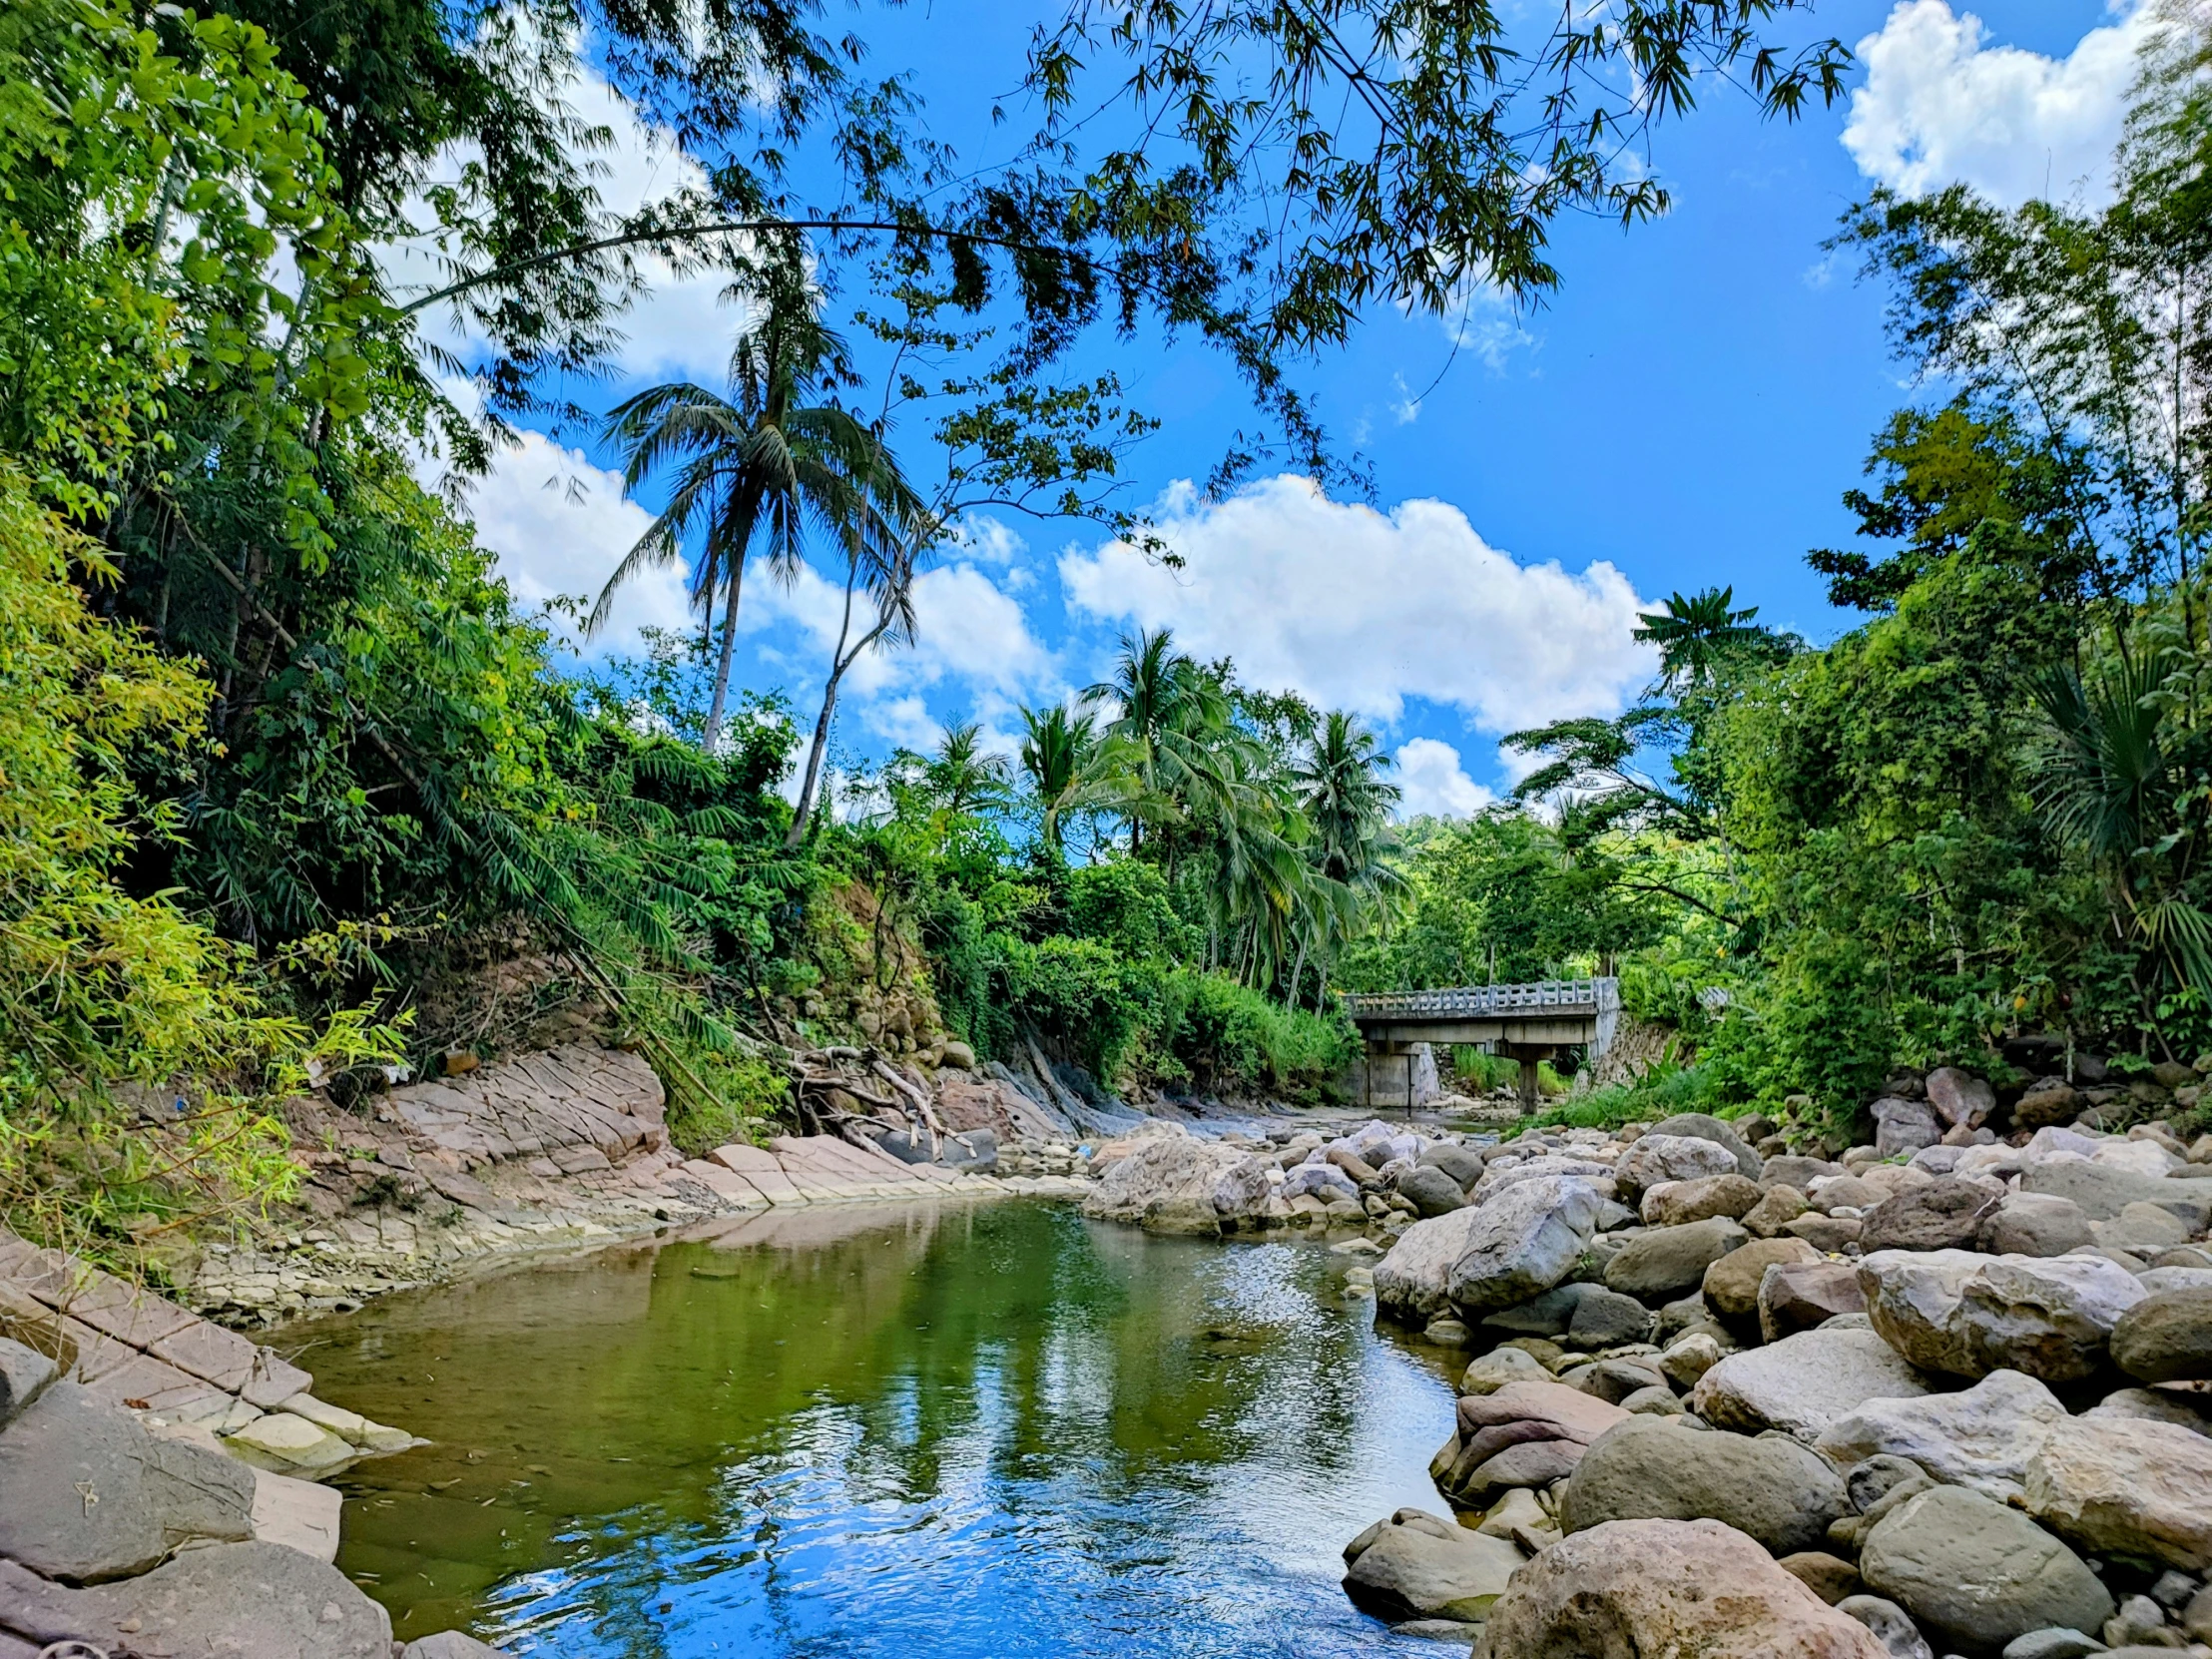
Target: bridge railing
(1594, 996)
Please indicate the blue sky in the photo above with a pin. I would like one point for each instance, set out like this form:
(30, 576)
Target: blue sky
(1686, 410)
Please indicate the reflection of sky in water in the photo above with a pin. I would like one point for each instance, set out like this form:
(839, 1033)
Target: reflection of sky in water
(1039, 1436)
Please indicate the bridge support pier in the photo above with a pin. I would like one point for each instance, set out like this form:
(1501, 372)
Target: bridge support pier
(1529, 1055)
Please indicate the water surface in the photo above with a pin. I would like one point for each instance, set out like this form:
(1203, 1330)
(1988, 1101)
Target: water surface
(933, 1433)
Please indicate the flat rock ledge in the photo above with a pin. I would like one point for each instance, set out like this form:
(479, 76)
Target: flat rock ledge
(554, 1151)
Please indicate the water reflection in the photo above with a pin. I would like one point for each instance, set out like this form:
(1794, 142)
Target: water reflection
(988, 1431)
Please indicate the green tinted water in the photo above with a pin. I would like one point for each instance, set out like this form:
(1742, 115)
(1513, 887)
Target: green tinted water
(989, 1430)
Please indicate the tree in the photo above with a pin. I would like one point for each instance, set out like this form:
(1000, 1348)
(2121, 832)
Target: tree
(1697, 635)
(1347, 801)
(761, 464)
(962, 777)
(1171, 715)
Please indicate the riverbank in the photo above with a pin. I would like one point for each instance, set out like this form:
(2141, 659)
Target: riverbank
(1947, 1396)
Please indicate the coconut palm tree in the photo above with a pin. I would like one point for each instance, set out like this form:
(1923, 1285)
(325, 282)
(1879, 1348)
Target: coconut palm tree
(1173, 720)
(1696, 633)
(1346, 799)
(758, 464)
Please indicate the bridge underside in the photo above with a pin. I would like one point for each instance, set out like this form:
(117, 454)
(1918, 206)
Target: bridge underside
(1527, 1023)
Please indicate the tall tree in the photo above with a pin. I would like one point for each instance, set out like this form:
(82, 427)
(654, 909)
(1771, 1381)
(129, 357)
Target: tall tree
(760, 464)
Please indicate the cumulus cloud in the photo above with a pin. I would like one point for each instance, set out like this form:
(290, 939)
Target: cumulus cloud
(1433, 783)
(1942, 104)
(1361, 610)
(560, 527)
(679, 327)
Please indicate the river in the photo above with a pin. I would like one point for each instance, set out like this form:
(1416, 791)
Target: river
(951, 1431)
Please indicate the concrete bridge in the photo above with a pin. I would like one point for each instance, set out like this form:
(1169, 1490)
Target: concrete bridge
(1527, 1023)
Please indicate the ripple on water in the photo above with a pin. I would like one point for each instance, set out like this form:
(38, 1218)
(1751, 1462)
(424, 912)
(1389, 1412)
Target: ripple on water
(971, 1432)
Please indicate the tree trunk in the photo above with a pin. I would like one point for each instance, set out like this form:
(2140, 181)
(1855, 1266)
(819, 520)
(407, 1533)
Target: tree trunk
(1298, 972)
(806, 805)
(713, 733)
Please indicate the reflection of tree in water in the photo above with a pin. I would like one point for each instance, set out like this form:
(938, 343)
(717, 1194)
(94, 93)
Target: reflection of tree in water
(676, 1412)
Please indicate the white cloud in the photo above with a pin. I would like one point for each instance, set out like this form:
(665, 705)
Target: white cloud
(1360, 611)
(679, 327)
(1942, 105)
(1433, 782)
(560, 527)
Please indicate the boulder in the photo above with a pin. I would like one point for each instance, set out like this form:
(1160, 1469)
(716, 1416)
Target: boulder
(284, 1441)
(1165, 1186)
(2046, 1101)
(1464, 1164)
(1902, 1126)
(1797, 1173)
(1657, 1468)
(1547, 1315)
(1521, 1242)
(1801, 1384)
(1961, 1099)
(1522, 1434)
(1980, 1439)
(2053, 1644)
(1511, 1172)
(2166, 1336)
(1976, 1575)
(1672, 1203)
(2035, 1224)
(1828, 1576)
(1669, 1589)
(1413, 1282)
(1705, 1127)
(1241, 1191)
(88, 1492)
(1494, 1369)
(2047, 1317)
(2103, 1192)
(1912, 1300)
(1946, 1214)
(1731, 1282)
(1666, 1261)
(1830, 1235)
(1689, 1359)
(1607, 1319)
(1658, 1159)
(2183, 1410)
(1803, 1296)
(1421, 1566)
(1892, 1627)
(23, 1375)
(1431, 1190)
(1776, 1209)
(2126, 1487)
(242, 1601)
(1845, 1192)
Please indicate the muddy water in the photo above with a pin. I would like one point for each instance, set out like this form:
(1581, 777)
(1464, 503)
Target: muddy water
(937, 1433)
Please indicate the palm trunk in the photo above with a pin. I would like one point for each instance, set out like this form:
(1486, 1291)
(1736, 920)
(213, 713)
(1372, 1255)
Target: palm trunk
(1298, 972)
(805, 806)
(713, 733)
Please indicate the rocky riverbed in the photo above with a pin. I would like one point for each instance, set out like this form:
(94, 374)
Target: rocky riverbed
(1952, 1397)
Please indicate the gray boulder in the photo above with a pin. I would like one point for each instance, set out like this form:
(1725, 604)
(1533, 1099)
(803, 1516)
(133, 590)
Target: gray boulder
(243, 1601)
(1705, 1127)
(1522, 1241)
(1666, 1261)
(1982, 1438)
(2035, 1224)
(86, 1492)
(2126, 1487)
(1801, 1384)
(23, 1374)
(1961, 1099)
(1976, 1574)
(1421, 1566)
(1892, 1627)
(1793, 1171)
(2166, 1336)
(1547, 1315)
(1607, 1319)
(2047, 1317)
(1655, 1468)
(2192, 1411)
(1946, 1214)
(1902, 1126)
(1431, 1190)
(2053, 1643)
(1913, 1298)
(1413, 1282)
(2103, 1191)
(1464, 1164)
(1657, 1160)
(1672, 1203)
(1804, 1295)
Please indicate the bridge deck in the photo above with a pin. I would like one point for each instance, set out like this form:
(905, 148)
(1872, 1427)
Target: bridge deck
(1550, 1013)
